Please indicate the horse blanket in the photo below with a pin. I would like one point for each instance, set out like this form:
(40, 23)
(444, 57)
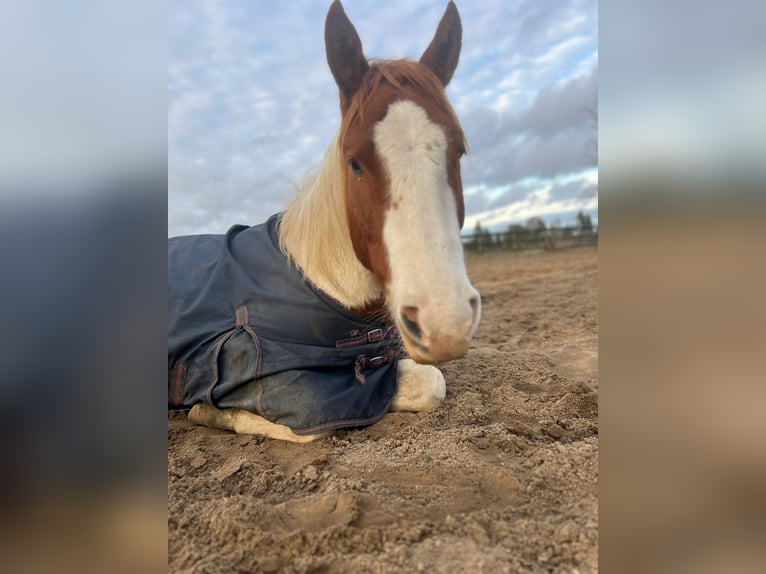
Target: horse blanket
(246, 330)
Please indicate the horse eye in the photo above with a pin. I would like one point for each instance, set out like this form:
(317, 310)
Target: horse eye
(356, 168)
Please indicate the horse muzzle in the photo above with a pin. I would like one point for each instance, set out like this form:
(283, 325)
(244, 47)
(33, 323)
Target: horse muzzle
(439, 330)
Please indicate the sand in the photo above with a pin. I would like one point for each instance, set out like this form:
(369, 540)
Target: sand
(503, 477)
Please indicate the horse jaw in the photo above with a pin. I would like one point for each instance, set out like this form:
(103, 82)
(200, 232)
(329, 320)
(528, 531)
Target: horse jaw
(429, 295)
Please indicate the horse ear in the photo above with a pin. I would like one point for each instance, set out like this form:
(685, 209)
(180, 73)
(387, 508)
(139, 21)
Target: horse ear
(443, 52)
(344, 52)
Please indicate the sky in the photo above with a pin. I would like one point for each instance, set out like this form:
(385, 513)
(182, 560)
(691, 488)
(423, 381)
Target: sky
(682, 92)
(252, 105)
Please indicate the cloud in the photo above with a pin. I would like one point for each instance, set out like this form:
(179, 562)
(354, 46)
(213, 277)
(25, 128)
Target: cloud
(252, 105)
(561, 107)
(550, 199)
(579, 187)
(183, 111)
(551, 137)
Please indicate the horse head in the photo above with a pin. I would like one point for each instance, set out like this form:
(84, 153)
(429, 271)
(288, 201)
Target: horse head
(400, 144)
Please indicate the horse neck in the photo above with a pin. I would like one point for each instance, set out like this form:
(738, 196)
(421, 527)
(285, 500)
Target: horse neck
(314, 234)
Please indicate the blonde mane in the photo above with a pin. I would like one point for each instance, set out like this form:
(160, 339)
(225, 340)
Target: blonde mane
(315, 236)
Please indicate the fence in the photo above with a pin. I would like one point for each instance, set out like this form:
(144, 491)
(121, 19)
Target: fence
(523, 239)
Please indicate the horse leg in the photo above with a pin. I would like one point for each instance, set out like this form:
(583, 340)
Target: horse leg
(244, 422)
(421, 387)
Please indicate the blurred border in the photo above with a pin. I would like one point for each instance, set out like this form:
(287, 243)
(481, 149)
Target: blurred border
(83, 216)
(682, 283)
(82, 297)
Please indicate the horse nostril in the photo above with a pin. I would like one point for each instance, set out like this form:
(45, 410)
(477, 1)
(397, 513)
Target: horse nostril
(410, 313)
(409, 316)
(474, 304)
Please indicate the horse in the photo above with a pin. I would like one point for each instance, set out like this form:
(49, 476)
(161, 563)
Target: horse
(335, 311)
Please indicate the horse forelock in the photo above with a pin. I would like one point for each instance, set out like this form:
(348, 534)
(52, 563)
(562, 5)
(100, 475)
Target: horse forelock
(404, 76)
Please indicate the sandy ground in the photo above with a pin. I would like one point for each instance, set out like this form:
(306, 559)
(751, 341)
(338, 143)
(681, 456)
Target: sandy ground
(503, 477)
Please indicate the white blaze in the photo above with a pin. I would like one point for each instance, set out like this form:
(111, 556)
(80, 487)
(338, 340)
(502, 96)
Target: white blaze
(421, 230)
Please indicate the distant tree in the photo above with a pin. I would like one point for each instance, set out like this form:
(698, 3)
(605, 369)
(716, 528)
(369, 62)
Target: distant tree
(536, 225)
(584, 222)
(516, 237)
(482, 238)
(537, 229)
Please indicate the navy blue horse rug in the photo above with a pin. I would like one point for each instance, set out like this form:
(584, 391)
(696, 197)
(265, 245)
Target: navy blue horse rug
(247, 331)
